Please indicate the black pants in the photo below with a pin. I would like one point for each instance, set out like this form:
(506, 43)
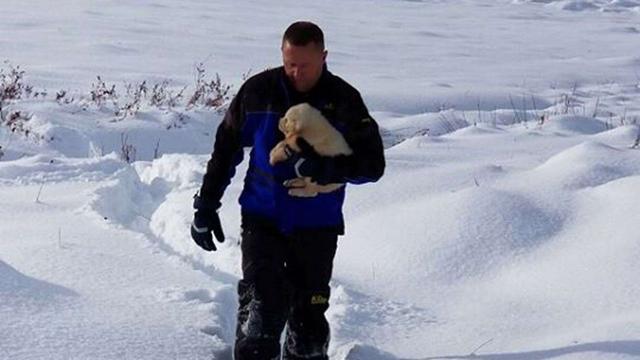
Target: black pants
(285, 282)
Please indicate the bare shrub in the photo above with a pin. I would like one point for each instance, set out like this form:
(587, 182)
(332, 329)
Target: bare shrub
(101, 93)
(40, 94)
(127, 151)
(178, 122)
(450, 122)
(595, 108)
(246, 75)
(17, 122)
(12, 89)
(158, 94)
(636, 143)
(62, 98)
(12, 84)
(156, 150)
(213, 93)
(516, 116)
(173, 99)
(124, 101)
(163, 98)
(134, 95)
(542, 119)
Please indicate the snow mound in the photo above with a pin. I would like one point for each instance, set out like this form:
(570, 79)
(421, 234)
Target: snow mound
(621, 136)
(433, 124)
(480, 129)
(414, 143)
(492, 227)
(179, 170)
(155, 198)
(576, 5)
(357, 351)
(575, 125)
(76, 130)
(582, 5)
(588, 164)
(133, 193)
(123, 200)
(19, 289)
(43, 168)
(68, 140)
(444, 240)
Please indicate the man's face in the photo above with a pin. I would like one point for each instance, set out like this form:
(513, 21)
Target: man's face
(303, 64)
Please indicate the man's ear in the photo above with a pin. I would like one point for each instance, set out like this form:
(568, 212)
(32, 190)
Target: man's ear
(324, 55)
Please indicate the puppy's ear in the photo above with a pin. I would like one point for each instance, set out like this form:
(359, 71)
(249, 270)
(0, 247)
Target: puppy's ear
(282, 124)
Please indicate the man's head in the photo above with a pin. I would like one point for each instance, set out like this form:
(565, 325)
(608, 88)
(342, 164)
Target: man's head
(303, 54)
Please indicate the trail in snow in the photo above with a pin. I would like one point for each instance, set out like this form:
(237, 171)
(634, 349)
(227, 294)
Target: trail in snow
(109, 293)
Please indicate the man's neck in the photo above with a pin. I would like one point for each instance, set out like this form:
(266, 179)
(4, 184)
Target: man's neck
(304, 94)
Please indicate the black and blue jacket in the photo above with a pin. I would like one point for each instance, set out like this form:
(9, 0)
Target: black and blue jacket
(252, 121)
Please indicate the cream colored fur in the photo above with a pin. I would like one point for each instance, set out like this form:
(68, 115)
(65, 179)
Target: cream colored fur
(303, 120)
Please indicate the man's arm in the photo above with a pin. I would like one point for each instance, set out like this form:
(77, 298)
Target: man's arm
(227, 154)
(366, 164)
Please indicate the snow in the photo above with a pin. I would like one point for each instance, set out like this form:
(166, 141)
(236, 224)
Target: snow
(92, 304)
(505, 226)
(600, 5)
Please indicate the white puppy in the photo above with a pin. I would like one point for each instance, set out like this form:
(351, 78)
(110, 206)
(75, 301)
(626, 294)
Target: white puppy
(303, 120)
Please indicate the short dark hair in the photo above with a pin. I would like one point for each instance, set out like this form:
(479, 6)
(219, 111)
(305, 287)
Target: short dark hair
(301, 33)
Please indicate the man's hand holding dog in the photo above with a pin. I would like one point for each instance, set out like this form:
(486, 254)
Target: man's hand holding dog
(322, 170)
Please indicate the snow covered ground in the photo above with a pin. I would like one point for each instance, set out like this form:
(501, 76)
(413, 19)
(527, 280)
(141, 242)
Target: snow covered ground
(506, 226)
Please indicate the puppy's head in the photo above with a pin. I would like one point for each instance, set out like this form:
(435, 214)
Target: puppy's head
(295, 118)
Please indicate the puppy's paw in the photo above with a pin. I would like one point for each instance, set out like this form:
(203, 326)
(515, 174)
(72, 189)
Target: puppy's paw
(278, 153)
(301, 187)
(303, 192)
(324, 189)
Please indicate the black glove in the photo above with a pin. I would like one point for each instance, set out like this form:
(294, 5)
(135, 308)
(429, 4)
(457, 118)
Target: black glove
(206, 220)
(321, 169)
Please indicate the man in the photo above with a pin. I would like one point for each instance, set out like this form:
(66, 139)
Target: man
(288, 243)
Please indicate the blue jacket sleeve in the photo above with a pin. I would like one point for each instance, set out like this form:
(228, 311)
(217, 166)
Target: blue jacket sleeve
(367, 162)
(227, 153)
